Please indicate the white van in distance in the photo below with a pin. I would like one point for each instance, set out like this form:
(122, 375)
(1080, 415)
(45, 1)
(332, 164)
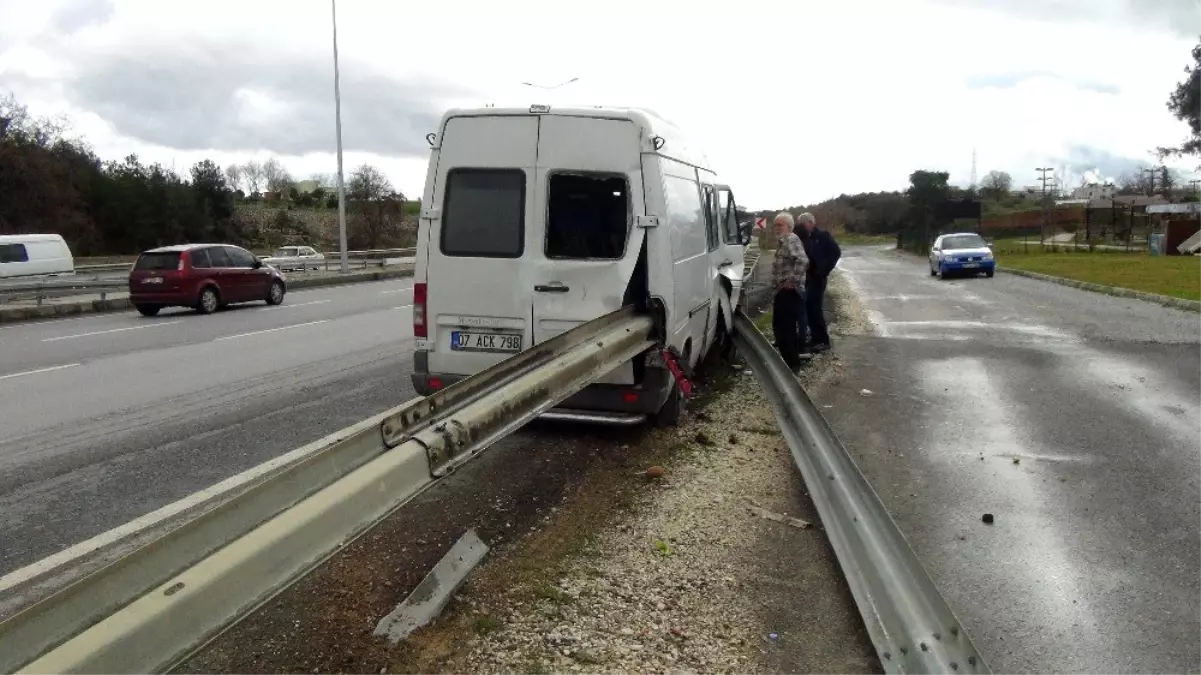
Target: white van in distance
(29, 255)
(538, 220)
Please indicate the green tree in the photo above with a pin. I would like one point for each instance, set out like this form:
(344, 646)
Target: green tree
(1185, 104)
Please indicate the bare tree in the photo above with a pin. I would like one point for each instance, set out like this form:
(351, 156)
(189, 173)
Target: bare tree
(368, 183)
(233, 176)
(376, 207)
(252, 174)
(325, 180)
(278, 178)
(996, 184)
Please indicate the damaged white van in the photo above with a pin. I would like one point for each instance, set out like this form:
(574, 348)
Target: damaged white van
(537, 220)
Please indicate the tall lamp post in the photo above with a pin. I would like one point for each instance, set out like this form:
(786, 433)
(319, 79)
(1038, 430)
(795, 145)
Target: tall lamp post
(338, 123)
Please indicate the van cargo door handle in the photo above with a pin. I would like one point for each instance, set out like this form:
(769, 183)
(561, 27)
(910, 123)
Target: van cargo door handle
(551, 288)
(726, 263)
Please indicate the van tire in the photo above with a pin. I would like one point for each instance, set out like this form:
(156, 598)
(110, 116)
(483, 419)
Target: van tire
(673, 408)
(148, 310)
(209, 301)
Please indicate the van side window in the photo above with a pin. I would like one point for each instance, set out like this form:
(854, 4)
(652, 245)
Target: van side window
(686, 214)
(484, 213)
(13, 253)
(588, 216)
(711, 227)
(728, 213)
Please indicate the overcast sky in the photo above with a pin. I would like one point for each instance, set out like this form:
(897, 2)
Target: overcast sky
(794, 101)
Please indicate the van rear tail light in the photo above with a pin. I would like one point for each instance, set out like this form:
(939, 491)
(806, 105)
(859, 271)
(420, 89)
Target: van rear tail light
(419, 325)
(630, 397)
(435, 383)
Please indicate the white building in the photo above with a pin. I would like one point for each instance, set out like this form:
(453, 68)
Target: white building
(1095, 191)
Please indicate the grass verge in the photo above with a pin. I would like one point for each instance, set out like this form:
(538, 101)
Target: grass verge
(1174, 276)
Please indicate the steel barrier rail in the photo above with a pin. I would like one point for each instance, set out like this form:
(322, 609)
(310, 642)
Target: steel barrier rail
(911, 625)
(151, 625)
(368, 253)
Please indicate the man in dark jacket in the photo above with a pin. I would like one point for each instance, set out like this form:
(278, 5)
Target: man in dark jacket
(823, 254)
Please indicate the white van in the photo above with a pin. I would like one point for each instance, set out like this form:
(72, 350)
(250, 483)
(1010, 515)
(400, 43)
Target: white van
(25, 255)
(538, 220)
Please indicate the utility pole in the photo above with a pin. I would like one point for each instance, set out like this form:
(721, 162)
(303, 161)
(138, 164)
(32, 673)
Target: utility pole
(1195, 185)
(338, 123)
(1043, 171)
(1151, 179)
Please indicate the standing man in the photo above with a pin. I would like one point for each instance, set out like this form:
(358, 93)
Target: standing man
(823, 254)
(788, 270)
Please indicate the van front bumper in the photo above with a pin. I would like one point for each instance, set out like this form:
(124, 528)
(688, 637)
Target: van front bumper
(646, 398)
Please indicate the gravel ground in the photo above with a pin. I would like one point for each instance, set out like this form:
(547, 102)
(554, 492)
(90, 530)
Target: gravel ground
(720, 566)
(594, 565)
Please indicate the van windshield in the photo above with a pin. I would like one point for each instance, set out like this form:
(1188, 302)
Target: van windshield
(158, 261)
(587, 216)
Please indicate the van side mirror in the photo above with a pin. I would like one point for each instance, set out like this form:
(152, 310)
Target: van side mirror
(258, 263)
(744, 233)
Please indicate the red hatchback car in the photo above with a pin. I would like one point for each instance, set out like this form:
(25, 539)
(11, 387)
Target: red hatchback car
(204, 276)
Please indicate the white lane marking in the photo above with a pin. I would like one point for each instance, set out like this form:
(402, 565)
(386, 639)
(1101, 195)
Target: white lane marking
(395, 290)
(111, 330)
(299, 304)
(403, 307)
(137, 525)
(39, 370)
(270, 330)
(1028, 329)
(973, 415)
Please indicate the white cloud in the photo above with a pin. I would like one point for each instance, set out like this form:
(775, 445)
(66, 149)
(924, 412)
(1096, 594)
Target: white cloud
(794, 102)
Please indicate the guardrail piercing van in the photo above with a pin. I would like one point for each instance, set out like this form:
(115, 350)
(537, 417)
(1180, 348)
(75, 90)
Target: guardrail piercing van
(538, 220)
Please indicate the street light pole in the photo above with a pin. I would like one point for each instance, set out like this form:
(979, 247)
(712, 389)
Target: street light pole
(338, 123)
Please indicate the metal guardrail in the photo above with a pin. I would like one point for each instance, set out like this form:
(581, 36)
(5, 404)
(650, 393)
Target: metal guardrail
(148, 610)
(911, 625)
(60, 286)
(332, 256)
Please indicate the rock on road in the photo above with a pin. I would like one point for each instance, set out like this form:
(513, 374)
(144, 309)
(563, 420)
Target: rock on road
(1075, 419)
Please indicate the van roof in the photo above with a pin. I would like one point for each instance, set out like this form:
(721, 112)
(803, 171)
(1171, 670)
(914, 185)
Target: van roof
(15, 238)
(675, 146)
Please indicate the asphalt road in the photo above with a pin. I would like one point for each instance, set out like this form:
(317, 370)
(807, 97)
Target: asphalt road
(1075, 419)
(105, 418)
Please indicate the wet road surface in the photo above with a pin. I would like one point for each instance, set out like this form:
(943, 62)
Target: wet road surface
(1075, 419)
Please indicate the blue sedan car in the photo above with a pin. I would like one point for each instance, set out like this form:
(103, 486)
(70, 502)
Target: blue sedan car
(961, 253)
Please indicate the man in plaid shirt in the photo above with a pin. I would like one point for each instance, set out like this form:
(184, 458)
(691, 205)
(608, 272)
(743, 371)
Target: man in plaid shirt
(788, 270)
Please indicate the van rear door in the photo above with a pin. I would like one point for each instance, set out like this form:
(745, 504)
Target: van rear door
(477, 289)
(582, 239)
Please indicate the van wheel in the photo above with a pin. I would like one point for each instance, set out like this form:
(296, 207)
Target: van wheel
(673, 408)
(209, 301)
(275, 295)
(148, 310)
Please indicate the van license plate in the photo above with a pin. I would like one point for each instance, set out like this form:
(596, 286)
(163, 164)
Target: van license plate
(464, 341)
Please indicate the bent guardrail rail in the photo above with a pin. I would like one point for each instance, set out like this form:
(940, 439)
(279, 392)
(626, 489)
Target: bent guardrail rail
(146, 611)
(911, 625)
